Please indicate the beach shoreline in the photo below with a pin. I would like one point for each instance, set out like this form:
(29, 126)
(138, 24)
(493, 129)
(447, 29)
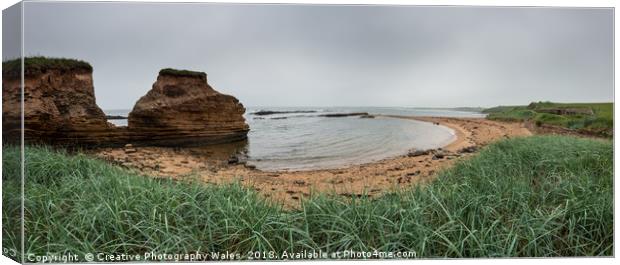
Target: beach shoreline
(290, 187)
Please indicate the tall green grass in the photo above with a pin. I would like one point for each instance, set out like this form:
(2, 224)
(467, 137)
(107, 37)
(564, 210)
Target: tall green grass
(530, 197)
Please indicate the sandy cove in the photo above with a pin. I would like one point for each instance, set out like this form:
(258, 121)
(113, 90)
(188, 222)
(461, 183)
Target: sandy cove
(289, 187)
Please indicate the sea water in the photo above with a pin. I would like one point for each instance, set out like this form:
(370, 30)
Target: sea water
(303, 141)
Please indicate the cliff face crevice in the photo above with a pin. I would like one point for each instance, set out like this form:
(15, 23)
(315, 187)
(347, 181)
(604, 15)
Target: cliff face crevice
(60, 108)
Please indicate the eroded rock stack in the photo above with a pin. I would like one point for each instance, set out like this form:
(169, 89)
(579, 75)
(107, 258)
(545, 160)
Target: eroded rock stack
(60, 108)
(182, 109)
(59, 103)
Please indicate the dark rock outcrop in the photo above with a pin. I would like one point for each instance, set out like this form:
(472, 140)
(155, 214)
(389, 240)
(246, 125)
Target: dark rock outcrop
(468, 149)
(182, 109)
(272, 112)
(338, 115)
(414, 153)
(115, 117)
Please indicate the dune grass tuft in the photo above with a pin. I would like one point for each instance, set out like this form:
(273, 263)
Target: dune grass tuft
(539, 196)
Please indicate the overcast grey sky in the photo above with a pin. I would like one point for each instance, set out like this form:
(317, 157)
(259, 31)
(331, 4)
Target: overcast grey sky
(309, 55)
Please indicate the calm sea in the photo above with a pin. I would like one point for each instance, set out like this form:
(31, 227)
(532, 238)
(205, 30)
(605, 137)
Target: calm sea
(301, 141)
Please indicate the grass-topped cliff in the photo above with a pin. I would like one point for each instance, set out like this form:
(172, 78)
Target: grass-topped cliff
(538, 196)
(39, 64)
(182, 73)
(594, 118)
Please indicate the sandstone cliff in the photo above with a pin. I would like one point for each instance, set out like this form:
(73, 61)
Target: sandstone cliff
(60, 108)
(59, 103)
(183, 109)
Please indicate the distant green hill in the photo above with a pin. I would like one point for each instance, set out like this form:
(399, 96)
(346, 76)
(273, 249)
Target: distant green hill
(594, 118)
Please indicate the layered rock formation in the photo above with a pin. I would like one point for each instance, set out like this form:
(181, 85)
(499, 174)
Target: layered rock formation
(60, 108)
(59, 103)
(183, 109)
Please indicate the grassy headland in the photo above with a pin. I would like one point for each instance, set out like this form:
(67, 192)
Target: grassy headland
(594, 118)
(39, 64)
(537, 196)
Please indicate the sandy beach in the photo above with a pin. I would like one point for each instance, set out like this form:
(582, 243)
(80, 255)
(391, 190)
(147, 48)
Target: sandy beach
(289, 187)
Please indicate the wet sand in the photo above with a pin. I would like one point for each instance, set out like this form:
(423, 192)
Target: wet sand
(289, 187)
